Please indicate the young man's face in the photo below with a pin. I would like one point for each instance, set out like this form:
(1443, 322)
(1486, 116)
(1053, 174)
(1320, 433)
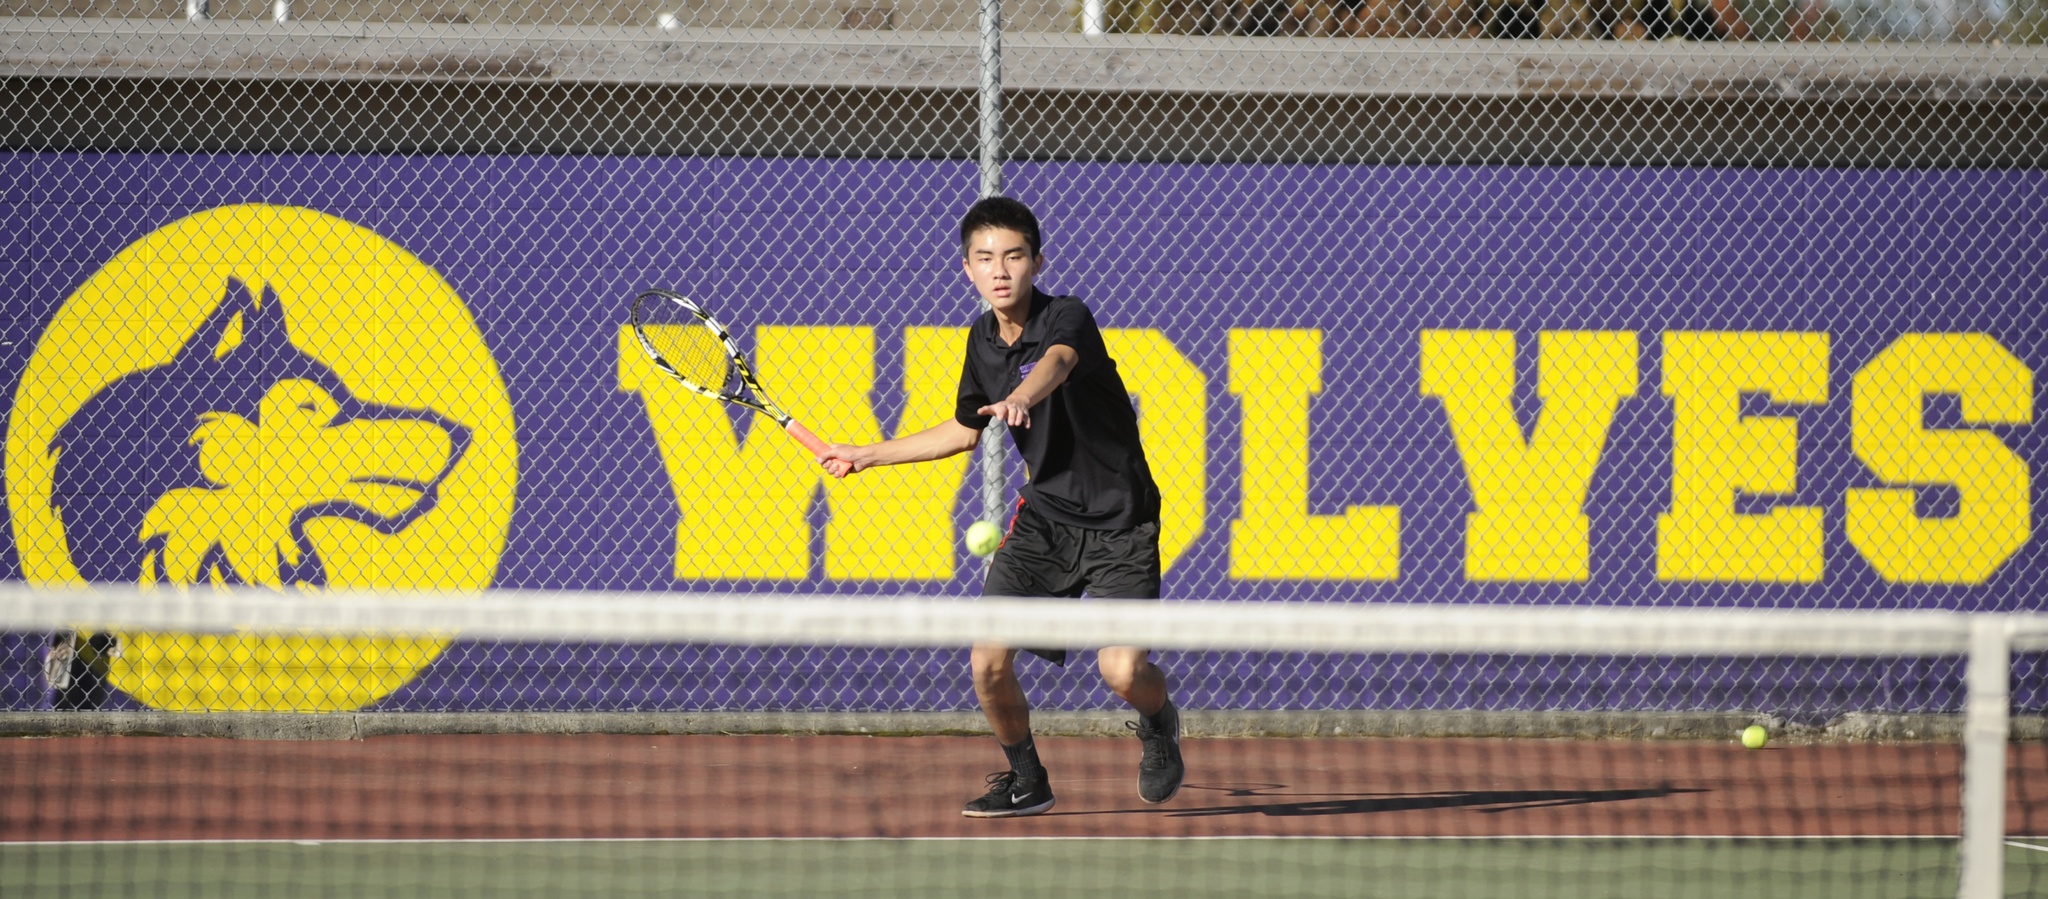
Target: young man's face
(1000, 263)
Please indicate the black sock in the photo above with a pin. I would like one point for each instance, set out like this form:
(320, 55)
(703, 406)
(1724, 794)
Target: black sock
(1153, 720)
(1023, 757)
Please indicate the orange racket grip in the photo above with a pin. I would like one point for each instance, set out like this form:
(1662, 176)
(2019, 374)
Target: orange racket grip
(838, 468)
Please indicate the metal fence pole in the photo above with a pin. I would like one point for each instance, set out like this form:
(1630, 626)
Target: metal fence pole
(991, 98)
(994, 475)
(1094, 17)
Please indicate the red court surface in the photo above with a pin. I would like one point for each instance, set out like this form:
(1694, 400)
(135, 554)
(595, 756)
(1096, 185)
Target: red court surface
(604, 786)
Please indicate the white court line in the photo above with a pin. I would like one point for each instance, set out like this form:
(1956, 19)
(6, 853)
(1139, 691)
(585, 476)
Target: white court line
(2019, 845)
(1656, 838)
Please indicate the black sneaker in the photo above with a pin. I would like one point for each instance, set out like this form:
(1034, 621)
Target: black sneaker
(1012, 796)
(1160, 770)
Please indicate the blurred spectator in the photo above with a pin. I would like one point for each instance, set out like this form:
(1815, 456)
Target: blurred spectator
(1196, 17)
(1900, 20)
(1693, 20)
(1511, 19)
(1365, 18)
(1608, 20)
(1808, 20)
(1399, 18)
(1262, 18)
(1332, 18)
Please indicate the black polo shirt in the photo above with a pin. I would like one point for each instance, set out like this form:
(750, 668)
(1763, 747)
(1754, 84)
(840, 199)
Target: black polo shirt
(1086, 465)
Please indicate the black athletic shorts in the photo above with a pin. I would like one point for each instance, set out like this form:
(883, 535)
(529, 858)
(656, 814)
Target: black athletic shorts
(1042, 557)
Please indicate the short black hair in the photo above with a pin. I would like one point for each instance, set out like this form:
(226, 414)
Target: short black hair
(999, 212)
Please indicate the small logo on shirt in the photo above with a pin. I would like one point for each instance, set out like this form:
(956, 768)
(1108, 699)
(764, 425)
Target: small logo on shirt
(1026, 368)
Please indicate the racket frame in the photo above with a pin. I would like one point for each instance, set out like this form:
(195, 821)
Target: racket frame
(749, 392)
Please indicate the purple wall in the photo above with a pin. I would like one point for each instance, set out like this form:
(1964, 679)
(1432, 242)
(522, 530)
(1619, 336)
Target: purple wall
(545, 250)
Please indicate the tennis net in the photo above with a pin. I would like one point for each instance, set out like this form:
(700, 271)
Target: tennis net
(828, 743)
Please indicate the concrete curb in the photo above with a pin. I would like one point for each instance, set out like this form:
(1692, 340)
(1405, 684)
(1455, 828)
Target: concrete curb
(1197, 723)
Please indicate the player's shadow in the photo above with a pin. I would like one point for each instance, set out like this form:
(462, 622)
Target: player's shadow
(1324, 804)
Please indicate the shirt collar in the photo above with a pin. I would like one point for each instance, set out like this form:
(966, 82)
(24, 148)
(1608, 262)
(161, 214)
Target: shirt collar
(1034, 326)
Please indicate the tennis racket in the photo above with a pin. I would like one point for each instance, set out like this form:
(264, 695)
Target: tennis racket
(687, 344)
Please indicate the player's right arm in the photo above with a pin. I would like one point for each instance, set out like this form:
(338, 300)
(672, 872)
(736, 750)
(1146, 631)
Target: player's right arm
(948, 438)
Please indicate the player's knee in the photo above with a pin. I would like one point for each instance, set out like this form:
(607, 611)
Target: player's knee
(993, 665)
(1121, 666)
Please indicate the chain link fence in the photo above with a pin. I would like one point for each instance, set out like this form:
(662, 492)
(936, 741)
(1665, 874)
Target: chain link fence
(1626, 20)
(1721, 303)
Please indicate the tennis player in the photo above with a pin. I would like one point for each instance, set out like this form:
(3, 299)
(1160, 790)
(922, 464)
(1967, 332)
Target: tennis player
(1088, 520)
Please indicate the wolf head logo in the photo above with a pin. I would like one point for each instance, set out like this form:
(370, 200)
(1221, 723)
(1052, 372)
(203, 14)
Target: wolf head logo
(208, 468)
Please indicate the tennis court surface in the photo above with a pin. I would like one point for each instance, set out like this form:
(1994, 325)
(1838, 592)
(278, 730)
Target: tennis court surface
(1816, 812)
(646, 815)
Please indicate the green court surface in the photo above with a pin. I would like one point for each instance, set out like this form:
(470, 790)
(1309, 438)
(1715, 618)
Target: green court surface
(1867, 868)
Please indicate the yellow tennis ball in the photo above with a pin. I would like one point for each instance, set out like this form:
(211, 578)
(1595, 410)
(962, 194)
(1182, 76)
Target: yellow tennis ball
(1755, 736)
(983, 537)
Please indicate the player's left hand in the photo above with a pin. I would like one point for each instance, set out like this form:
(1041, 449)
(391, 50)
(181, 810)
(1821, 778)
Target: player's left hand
(1013, 412)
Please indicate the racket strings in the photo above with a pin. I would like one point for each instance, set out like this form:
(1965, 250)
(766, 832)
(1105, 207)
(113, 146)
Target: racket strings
(696, 354)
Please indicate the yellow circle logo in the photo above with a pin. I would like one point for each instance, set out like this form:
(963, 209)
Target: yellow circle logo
(269, 396)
